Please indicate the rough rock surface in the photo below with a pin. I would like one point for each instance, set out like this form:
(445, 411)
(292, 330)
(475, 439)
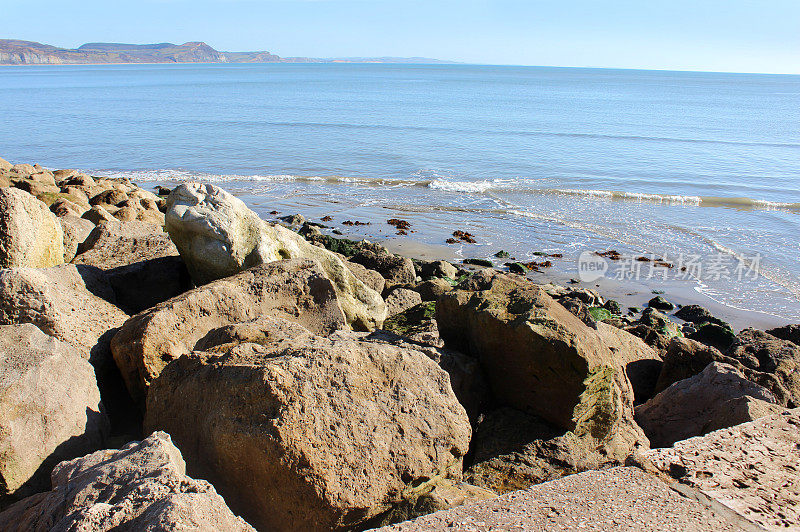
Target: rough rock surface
(315, 433)
(541, 359)
(49, 408)
(763, 352)
(400, 300)
(218, 236)
(142, 486)
(397, 270)
(790, 333)
(701, 404)
(751, 469)
(623, 498)
(294, 289)
(76, 230)
(432, 289)
(371, 278)
(685, 358)
(30, 235)
(71, 303)
(114, 243)
(140, 261)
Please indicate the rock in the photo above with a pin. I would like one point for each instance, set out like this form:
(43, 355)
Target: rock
(417, 323)
(74, 178)
(109, 197)
(98, 214)
(293, 220)
(5, 165)
(294, 289)
(72, 303)
(401, 299)
(790, 333)
(698, 314)
(697, 405)
(749, 470)
(437, 269)
(434, 497)
(660, 303)
(294, 451)
(64, 207)
(483, 263)
(538, 357)
(685, 358)
(371, 278)
(765, 353)
(396, 270)
(218, 236)
(142, 486)
(140, 261)
(620, 498)
(49, 408)
(433, 289)
(715, 335)
(76, 230)
(30, 235)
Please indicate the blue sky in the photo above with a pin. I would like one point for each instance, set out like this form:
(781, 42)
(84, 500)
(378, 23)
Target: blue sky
(719, 35)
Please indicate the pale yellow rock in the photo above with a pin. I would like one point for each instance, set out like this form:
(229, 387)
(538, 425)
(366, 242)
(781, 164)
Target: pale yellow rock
(30, 235)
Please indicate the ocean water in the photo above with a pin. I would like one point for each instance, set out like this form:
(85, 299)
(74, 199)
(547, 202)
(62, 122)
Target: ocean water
(699, 169)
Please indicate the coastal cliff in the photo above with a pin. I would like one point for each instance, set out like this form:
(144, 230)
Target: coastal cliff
(14, 52)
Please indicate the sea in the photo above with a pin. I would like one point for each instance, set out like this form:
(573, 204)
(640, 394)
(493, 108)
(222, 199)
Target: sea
(698, 170)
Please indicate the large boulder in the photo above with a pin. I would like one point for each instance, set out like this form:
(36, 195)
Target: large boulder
(760, 357)
(141, 263)
(73, 304)
(294, 289)
(396, 269)
(49, 408)
(302, 432)
(763, 352)
(541, 359)
(718, 397)
(401, 299)
(30, 235)
(142, 486)
(218, 236)
(789, 333)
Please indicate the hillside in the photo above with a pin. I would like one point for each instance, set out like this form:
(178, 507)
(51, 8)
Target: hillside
(16, 52)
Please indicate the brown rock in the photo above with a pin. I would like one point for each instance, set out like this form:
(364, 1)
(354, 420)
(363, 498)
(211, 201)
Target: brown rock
(98, 214)
(295, 289)
(749, 469)
(109, 197)
(401, 299)
(49, 408)
(790, 333)
(72, 303)
(433, 289)
(541, 359)
(395, 269)
(314, 434)
(141, 263)
(700, 404)
(765, 353)
(142, 486)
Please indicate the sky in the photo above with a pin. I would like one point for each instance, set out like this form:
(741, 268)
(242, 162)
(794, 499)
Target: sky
(708, 35)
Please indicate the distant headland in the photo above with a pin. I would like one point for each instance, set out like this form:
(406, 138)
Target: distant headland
(16, 52)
